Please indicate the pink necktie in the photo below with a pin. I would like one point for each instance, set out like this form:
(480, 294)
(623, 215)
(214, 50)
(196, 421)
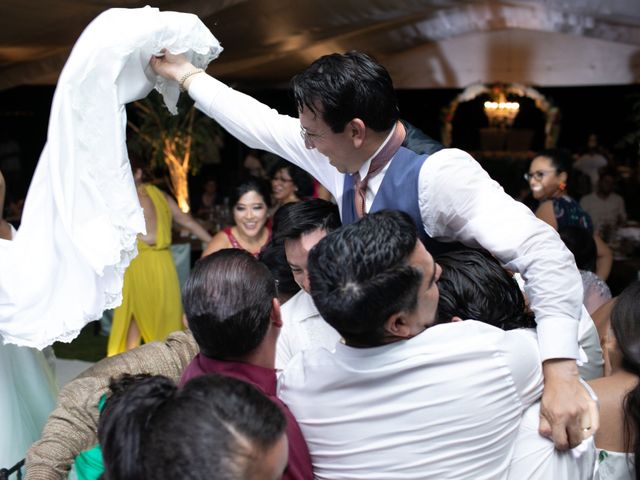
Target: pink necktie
(377, 163)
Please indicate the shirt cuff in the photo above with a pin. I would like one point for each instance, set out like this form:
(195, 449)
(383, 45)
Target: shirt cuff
(558, 338)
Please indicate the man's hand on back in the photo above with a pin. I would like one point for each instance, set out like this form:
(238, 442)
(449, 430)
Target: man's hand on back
(568, 414)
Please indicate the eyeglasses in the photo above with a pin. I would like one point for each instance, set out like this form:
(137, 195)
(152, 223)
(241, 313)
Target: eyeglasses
(538, 175)
(309, 137)
(282, 179)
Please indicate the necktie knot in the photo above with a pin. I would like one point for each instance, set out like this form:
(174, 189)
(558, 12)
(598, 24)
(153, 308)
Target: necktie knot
(378, 162)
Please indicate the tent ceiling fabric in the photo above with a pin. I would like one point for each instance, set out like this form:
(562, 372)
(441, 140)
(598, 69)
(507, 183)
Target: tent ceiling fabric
(268, 41)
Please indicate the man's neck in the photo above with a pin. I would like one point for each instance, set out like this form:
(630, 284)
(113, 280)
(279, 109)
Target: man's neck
(375, 142)
(264, 355)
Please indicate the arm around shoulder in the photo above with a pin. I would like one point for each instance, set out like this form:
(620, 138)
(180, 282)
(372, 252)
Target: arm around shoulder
(460, 202)
(70, 429)
(72, 426)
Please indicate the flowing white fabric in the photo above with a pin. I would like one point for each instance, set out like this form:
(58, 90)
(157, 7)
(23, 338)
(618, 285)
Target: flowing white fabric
(82, 215)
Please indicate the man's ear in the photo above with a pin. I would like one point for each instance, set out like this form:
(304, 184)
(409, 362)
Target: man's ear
(357, 131)
(396, 326)
(185, 322)
(456, 319)
(276, 314)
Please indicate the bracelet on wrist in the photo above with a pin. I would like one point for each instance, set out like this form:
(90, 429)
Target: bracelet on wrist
(184, 77)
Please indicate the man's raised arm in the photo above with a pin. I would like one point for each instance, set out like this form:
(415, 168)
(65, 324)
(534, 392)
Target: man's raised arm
(459, 201)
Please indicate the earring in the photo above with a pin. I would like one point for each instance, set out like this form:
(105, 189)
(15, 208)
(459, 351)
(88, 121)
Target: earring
(562, 186)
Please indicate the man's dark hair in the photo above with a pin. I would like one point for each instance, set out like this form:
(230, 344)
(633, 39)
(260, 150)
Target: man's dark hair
(360, 275)
(275, 259)
(151, 429)
(473, 286)
(293, 220)
(228, 300)
(341, 87)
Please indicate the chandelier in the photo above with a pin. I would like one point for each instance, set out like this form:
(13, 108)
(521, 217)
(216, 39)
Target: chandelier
(499, 111)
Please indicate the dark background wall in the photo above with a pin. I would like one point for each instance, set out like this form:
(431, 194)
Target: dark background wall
(24, 114)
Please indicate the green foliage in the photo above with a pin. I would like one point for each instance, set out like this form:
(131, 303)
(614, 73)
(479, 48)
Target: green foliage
(153, 129)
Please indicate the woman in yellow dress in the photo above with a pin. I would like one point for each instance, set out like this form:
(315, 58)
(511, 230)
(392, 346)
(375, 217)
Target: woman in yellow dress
(151, 306)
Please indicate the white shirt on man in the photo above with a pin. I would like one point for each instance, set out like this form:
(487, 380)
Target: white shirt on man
(302, 329)
(445, 404)
(458, 201)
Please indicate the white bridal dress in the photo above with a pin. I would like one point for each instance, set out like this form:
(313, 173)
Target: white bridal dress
(81, 215)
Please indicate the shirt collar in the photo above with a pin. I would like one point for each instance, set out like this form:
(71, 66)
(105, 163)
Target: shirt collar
(364, 169)
(263, 378)
(301, 307)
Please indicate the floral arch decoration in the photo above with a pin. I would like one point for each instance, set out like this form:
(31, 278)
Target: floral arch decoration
(551, 112)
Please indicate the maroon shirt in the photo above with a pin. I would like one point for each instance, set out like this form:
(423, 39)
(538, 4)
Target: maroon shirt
(264, 379)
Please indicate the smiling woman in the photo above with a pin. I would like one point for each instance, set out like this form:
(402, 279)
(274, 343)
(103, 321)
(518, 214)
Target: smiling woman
(250, 232)
(547, 176)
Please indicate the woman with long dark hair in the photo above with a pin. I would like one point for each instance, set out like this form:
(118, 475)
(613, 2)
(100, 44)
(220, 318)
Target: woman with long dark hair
(619, 391)
(250, 232)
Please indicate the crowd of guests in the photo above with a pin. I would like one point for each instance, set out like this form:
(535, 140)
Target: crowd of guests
(414, 359)
(381, 336)
(151, 307)
(277, 377)
(299, 329)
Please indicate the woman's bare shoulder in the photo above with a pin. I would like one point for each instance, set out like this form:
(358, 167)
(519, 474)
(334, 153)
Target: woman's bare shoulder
(218, 242)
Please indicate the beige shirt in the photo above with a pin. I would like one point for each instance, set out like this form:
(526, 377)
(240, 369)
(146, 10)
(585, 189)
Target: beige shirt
(72, 426)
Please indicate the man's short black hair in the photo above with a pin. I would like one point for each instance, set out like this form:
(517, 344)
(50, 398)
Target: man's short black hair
(473, 286)
(274, 257)
(341, 87)
(292, 220)
(360, 275)
(228, 301)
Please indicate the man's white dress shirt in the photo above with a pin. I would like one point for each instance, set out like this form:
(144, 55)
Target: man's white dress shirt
(445, 404)
(458, 201)
(302, 329)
